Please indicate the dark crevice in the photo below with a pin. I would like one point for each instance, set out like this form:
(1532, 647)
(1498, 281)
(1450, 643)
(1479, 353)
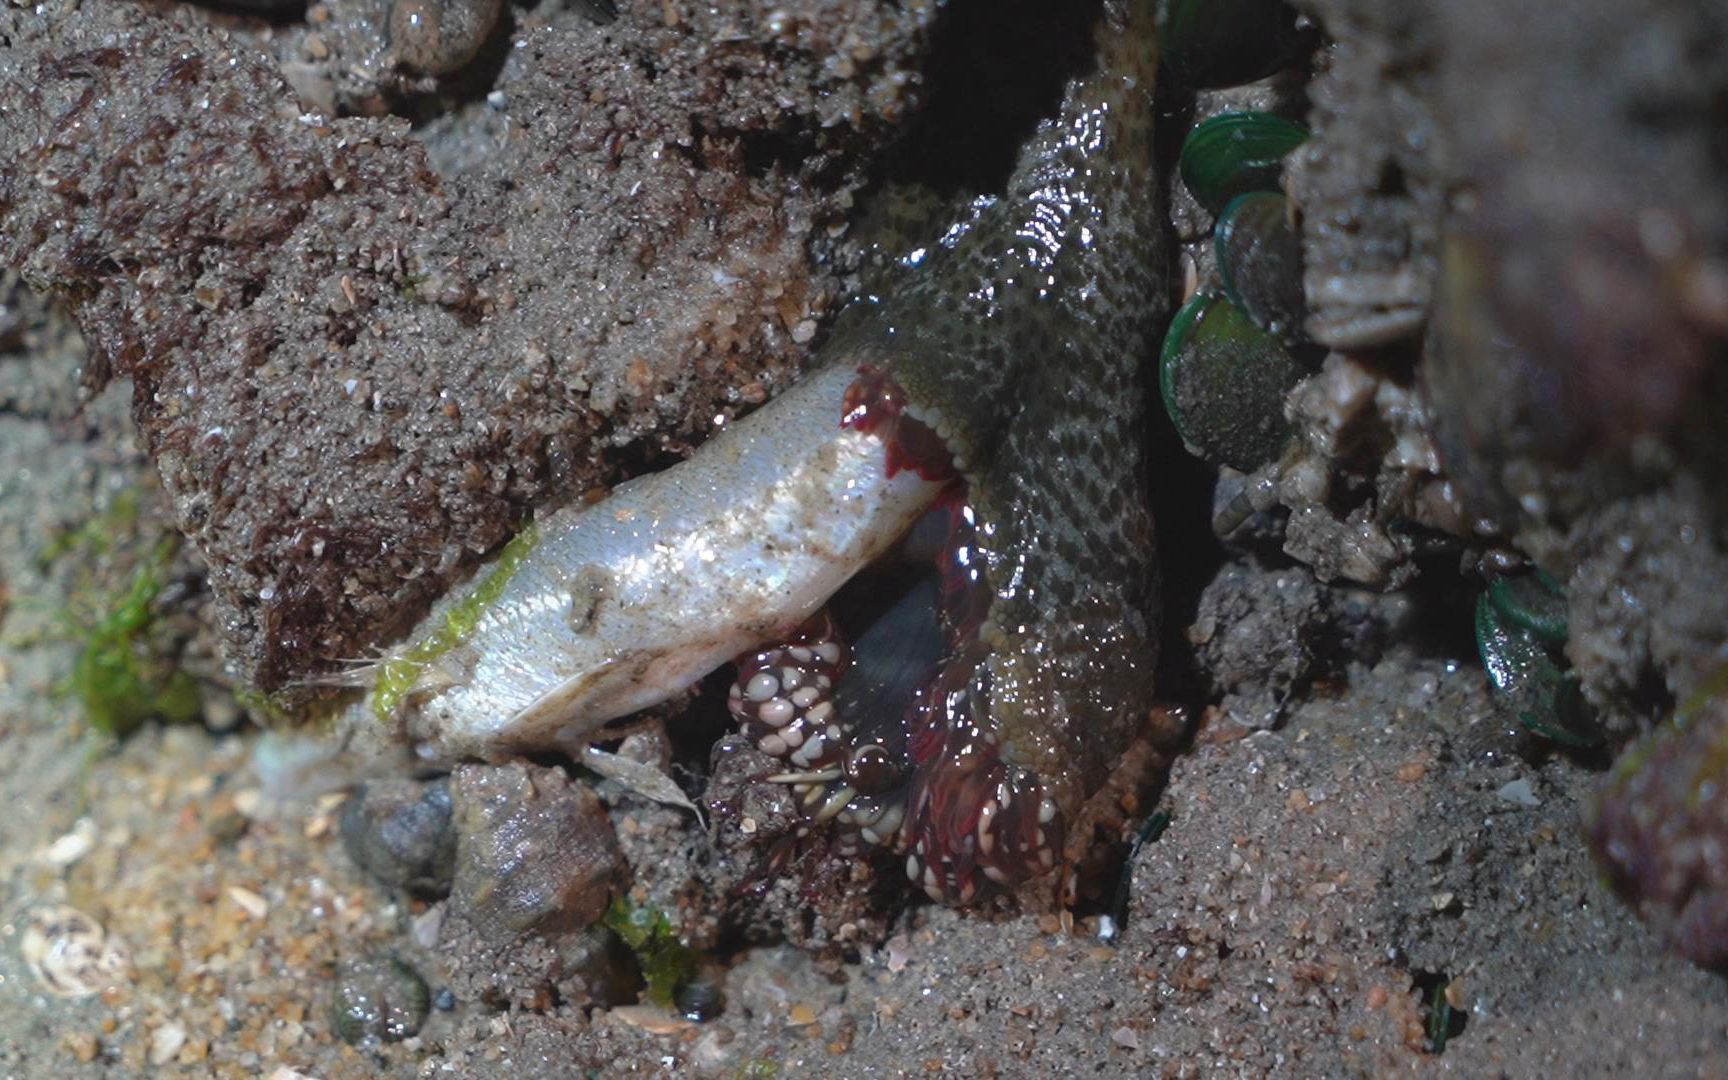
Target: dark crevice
(272, 12)
(1441, 1022)
(465, 87)
(996, 68)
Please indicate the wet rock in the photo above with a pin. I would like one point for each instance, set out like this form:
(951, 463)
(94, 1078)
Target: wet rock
(386, 367)
(437, 37)
(1256, 635)
(379, 998)
(400, 832)
(536, 863)
(535, 851)
(1660, 830)
(1263, 635)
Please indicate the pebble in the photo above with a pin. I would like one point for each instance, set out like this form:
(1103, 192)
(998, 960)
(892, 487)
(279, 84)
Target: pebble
(228, 828)
(1519, 791)
(401, 832)
(166, 1041)
(650, 1019)
(379, 998)
(425, 927)
(84, 1047)
(899, 950)
(699, 999)
(248, 901)
(221, 713)
(73, 846)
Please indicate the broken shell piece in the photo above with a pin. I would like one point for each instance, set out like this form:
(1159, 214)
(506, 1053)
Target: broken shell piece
(70, 953)
(73, 846)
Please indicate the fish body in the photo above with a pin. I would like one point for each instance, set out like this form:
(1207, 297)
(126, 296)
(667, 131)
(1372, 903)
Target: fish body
(623, 604)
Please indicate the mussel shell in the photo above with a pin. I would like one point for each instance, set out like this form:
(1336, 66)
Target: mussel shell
(1532, 602)
(1235, 153)
(1544, 695)
(1216, 43)
(1224, 381)
(699, 1000)
(1260, 261)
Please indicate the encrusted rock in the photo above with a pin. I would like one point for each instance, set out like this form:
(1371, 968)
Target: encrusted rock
(536, 864)
(535, 852)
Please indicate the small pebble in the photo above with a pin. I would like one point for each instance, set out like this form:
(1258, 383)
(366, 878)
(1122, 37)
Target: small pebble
(70, 953)
(227, 828)
(401, 832)
(699, 1000)
(248, 901)
(379, 999)
(73, 846)
(1519, 791)
(221, 713)
(84, 1047)
(166, 1041)
(427, 925)
(899, 953)
(650, 1019)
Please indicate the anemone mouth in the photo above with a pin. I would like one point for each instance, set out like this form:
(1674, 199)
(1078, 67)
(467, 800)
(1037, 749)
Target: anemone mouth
(837, 715)
(892, 738)
(876, 404)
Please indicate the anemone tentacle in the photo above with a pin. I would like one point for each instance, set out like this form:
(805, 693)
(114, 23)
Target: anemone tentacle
(1017, 343)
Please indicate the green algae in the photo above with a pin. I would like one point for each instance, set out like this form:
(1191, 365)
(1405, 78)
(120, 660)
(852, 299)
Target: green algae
(125, 673)
(398, 675)
(267, 707)
(99, 534)
(666, 962)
